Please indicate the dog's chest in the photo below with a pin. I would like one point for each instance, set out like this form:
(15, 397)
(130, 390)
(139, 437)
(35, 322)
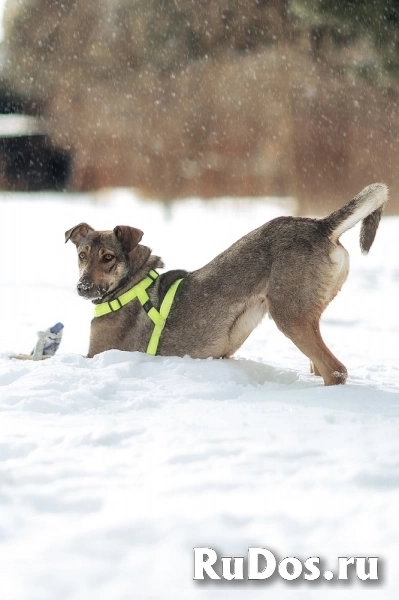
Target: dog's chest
(127, 329)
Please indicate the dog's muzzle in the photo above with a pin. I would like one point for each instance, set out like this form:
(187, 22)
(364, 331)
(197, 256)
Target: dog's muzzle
(87, 289)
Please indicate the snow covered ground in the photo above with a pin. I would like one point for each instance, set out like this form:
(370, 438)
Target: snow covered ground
(113, 469)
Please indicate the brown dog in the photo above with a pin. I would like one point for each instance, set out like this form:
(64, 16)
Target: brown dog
(290, 268)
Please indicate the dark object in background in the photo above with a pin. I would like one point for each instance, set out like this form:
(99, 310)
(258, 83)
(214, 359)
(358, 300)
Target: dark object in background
(28, 160)
(31, 164)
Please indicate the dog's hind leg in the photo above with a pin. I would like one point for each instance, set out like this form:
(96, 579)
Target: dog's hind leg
(303, 330)
(307, 337)
(313, 369)
(298, 291)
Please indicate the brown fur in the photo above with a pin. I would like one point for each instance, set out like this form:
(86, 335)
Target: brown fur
(289, 267)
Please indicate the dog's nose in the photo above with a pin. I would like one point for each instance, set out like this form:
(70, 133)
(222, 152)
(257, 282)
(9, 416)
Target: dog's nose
(84, 285)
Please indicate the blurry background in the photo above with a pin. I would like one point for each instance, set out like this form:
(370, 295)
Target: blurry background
(201, 97)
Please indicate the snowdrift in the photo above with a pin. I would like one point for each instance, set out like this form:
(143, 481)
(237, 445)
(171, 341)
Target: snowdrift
(114, 468)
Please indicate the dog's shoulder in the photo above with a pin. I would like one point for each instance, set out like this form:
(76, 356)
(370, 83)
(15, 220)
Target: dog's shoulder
(167, 279)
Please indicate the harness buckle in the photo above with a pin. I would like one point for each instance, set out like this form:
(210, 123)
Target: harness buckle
(110, 305)
(148, 305)
(153, 274)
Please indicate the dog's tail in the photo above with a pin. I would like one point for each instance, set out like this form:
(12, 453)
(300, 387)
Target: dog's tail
(367, 207)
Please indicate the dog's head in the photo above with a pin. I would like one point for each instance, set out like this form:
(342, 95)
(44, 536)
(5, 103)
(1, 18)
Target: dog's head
(105, 258)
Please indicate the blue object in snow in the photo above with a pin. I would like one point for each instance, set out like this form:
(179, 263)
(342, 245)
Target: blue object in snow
(48, 342)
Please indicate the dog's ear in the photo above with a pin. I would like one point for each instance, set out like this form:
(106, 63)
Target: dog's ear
(129, 237)
(77, 233)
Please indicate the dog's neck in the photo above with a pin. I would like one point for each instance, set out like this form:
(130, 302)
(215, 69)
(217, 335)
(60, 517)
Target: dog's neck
(141, 263)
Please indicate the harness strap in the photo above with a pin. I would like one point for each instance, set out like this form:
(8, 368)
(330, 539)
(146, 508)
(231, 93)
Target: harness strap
(159, 318)
(139, 291)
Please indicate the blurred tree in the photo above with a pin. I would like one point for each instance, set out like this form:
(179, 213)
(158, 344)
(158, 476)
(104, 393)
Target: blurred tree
(353, 19)
(121, 35)
(212, 97)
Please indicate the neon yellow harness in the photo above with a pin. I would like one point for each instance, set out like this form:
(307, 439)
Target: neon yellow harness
(139, 291)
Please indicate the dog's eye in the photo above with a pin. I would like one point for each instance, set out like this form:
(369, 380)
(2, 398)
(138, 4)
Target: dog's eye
(107, 257)
(82, 255)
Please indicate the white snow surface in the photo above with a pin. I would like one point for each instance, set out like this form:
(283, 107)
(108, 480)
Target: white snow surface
(114, 468)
